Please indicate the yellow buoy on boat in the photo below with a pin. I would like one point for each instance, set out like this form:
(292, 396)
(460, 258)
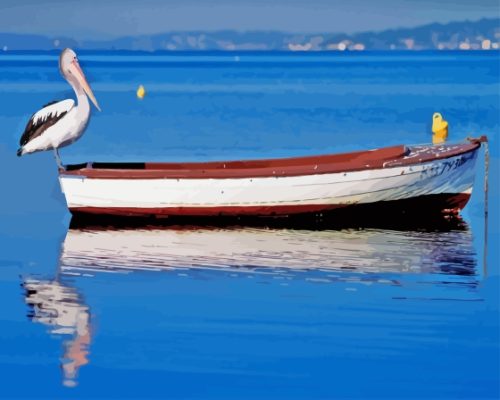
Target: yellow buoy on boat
(439, 129)
(141, 92)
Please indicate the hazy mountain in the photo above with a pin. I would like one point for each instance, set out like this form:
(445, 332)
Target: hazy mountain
(13, 41)
(464, 35)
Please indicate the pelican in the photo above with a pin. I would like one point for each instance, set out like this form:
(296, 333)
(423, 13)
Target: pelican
(60, 123)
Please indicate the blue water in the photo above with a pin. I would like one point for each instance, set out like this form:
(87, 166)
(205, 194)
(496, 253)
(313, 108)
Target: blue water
(240, 312)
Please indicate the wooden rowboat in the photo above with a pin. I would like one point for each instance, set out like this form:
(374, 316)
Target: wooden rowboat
(414, 178)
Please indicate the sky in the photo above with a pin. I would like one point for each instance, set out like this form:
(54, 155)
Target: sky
(99, 19)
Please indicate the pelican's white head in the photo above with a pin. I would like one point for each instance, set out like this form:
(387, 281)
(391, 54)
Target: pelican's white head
(70, 69)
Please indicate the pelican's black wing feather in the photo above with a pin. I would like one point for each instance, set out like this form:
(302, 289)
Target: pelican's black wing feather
(45, 118)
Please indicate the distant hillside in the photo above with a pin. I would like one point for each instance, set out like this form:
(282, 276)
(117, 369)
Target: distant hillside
(483, 34)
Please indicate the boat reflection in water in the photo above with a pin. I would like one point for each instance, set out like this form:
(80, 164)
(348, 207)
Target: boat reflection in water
(62, 309)
(298, 253)
(338, 257)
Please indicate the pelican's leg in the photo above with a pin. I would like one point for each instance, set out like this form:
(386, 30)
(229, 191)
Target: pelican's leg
(58, 159)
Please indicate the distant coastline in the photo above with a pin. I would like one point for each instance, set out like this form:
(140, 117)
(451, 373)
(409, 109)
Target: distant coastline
(466, 35)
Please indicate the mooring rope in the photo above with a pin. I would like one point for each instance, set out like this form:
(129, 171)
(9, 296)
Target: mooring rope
(484, 140)
(486, 171)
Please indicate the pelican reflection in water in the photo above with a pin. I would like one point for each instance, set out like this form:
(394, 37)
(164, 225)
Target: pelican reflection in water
(62, 309)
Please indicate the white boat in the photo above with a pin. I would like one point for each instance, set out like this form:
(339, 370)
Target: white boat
(409, 178)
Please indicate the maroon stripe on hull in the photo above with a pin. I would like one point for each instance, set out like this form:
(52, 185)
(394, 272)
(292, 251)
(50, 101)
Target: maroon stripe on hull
(446, 202)
(210, 211)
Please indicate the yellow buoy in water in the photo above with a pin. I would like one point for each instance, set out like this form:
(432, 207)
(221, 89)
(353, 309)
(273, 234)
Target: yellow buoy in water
(439, 129)
(141, 92)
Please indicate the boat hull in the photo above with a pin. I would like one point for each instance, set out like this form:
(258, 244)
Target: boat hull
(445, 202)
(439, 184)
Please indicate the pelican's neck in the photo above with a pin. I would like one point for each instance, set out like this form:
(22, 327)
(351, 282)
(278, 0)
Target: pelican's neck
(81, 96)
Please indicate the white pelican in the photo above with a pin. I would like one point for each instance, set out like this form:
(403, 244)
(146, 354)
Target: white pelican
(60, 123)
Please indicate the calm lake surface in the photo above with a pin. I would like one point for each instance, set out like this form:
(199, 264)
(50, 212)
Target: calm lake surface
(235, 312)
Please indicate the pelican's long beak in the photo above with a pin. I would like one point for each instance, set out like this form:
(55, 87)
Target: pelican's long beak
(77, 71)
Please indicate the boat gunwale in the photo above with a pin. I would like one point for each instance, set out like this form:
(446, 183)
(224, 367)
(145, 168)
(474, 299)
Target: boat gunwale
(270, 168)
